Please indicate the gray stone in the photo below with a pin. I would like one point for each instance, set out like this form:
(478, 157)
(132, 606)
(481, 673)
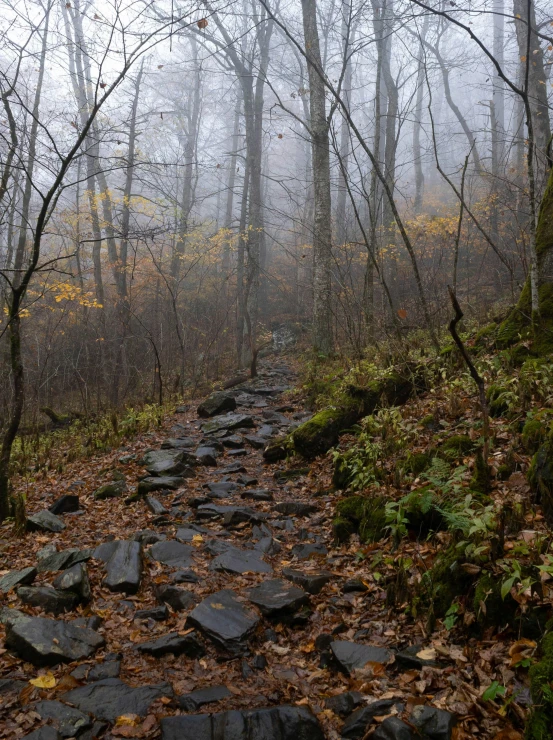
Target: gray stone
(196, 699)
(257, 494)
(221, 489)
(237, 453)
(187, 534)
(184, 576)
(255, 441)
(228, 422)
(64, 559)
(46, 642)
(225, 621)
(178, 599)
(69, 721)
(17, 578)
(75, 579)
(216, 403)
(352, 656)
(313, 583)
(178, 443)
(235, 441)
(110, 698)
(161, 483)
(231, 515)
(48, 599)
(273, 723)
(207, 456)
(155, 506)
(65, 504)
(188, 645)
(11, 686)
(277, 598)
(309, 550)
(107, 669)
(433, 723)
(295, 508)
(123, 559)
(344, 704)
(157, 613)
(172, 553)
(149, 537)
(393, 729)
(110, 490)
(168, 462)
(357, 724)
(47, 732)
(45, 521)
(234, 560)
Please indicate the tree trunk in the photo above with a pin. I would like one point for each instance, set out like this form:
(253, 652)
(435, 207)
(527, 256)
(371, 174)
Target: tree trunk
(417, 123)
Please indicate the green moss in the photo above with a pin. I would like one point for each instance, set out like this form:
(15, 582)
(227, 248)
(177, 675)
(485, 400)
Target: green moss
(417, 462)
(540, 721)
(535, 430)
(444, 582)
(457, 446)
(505, 470)
(497, 403)
(447, 351)
(428, 421)
(540, 478)
(481, 477)
(361, 514)
(519, 354)
(485, 334)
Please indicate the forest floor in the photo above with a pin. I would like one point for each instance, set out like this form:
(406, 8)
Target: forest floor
(322, 630)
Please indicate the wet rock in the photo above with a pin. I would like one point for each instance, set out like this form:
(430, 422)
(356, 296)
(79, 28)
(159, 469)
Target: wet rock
(48, 599)
(225, 621)
(155, 506)
(110, 698)
(207, 456)
(65, 504)
(172, 553)
(196, 699)
(46, 642)
(352, 656)
(123, 559)
(273, 723)
(107, 669)
(47, 732)
(228, 422)
(344, 704)
(64, 559)
(295, 508)
(393, 729)
(157, 613)
(216, 403)
(45, 521)
(358, 723)
(234, 560)
(313, 583)
(110, 490)
(17, 578)
(433, 723)
(75, 580)
(178, 443)
(277, 598)
(258, 494)
(232, 515)
(235, 441)
(161, 483)
(184, 576)
(178, 599)
(188, 645)
(68, 721)
(309, 550)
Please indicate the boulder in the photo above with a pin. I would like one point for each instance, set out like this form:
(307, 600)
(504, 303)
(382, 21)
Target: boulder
(172, 553)
(231, 515)
(216, 403)
(65, 504)
(114, 489)
(75, 580)
(45, 521)
(312, 582)
(344, 704)
(160, 483)
(157, 613)
(225, 621)
(188, 645)
(48, 599)
(110, 698)
(393, 729)
(207, 455)
(178, 443)
(358, 723)
(227, 423)
(64, 559)
(234, 560)
(178, 599)
(277, 598)
(47, 732)
(106, 669)
(309, 550)
(433, 723)
(257, 494)
(123, 559)
(155, 506)
(351, 656)
(69, 721)
(196, 699)
(17, 578)
(47, 642)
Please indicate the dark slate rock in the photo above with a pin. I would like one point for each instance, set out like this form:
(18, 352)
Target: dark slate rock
(344, 704)
(92, 623)
(107, 669)
(196, 699)
(273, 723)
(295, 508)
(64, 559)
(259, 662)
(162, 483)
(110, 698)
(172, 553)
(178, 443)
(207, 456)
(290, 474)
(408, 658)
(216, 403)
(351, 655)
(258, 494)
(184, 576)
(309, 550)
(157, 613)
(276, 598)
(265, 431)
(246, 480)
(255, 441)
(237, 453)
(233, 468)
(48, 599)
(187, 534)
(69, 721)
(234, 441)
(149, 537)
(75, 580)
(225, 621)
(222, 488)
(123, 565)
(313, 583)
(354, 585)
(228, 422)
(268, 545)
(114, 489)
(11, 686)
(43, 733)
(234, 560)
(46, 551)
(393, 729)
(155, 506)
(97, 730)
(45, 521)
(232, 515)
(67, 503)
(168, 462)
(357, 724)
(46, 642)
(188, 645)
(17, 578)
(432, 723)
(215, 442)
(178, 599)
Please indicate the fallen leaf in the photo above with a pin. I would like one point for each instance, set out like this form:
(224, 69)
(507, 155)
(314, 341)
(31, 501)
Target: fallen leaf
(427, 654)
(46, 681)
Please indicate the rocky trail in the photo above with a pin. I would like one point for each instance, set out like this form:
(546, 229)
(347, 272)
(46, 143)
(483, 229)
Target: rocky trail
(184, 588)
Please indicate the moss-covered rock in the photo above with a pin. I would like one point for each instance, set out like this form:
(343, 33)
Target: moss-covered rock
(540, 721)
(362, 514)
(444, 582)
(536, 430)
(481, 481)
(540, 478)
(417, 462)
(456, 447)
(111, 490)
(497, 402)
(485, 336)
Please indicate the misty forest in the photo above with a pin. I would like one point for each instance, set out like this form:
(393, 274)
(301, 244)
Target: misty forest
(276, 369)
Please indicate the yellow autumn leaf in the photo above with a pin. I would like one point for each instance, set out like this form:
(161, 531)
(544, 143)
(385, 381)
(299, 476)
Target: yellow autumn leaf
(427, 654)
(127, 719)
(46, 681)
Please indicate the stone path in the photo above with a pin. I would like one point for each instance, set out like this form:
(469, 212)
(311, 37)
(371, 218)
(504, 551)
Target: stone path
(210, 606)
